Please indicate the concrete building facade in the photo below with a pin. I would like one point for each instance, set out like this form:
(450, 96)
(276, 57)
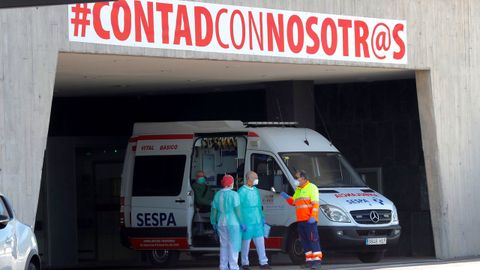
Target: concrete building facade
(441, 51)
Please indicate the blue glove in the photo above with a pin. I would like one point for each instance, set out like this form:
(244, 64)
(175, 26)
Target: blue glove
(311, 220)
(243, 227)
(284, 195)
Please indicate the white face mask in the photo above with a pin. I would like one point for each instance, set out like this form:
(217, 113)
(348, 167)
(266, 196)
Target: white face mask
(255, 182)
(296, 183)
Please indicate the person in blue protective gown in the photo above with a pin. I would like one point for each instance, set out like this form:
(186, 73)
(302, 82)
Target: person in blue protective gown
(254, 219)
(226, 219)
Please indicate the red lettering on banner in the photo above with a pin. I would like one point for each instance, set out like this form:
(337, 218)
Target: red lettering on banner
(164, 10)
(277, 31)
(253, 27)
(361, 38)
(127, 20)
(141, 22)
(313, 35)
(182, 32)
(199, 39)
(97, 22)
(232, 30)
(295, 20)
(345, 25)
(401, 53)
(306, 35)
(328, 23)
(217, 28)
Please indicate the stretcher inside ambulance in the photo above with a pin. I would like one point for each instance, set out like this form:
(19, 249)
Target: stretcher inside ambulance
(158, 211)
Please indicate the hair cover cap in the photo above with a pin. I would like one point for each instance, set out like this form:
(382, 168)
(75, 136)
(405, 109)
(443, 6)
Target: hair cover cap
(227, 180)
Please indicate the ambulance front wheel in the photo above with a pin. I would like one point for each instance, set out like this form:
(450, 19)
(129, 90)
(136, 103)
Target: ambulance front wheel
(295, 248)
(163, 258)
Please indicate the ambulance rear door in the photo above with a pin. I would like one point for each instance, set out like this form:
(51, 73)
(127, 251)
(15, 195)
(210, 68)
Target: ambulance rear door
(160, 192)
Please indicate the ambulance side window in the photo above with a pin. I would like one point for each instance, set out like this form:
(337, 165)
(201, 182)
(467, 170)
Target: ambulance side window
(158, 175)
(267, 170)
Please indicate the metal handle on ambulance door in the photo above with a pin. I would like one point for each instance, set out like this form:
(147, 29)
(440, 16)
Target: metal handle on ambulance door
(180, 200)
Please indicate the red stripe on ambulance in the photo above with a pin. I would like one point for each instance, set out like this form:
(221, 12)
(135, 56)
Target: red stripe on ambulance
(159, 243)
(162, 137)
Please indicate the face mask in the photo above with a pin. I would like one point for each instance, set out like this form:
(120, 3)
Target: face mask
(296, 183)
(255, 182)
(201, 180)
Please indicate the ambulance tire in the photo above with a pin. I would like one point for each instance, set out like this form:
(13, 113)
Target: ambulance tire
(371, 257)
(163, 258)
(295, 248)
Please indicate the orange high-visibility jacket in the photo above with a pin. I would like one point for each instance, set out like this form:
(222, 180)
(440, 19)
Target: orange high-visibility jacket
(306, 201)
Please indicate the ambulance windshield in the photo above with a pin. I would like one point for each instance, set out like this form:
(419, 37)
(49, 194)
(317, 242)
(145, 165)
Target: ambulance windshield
(323, 169)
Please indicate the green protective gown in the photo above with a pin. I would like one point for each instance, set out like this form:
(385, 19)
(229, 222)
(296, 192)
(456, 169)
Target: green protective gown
(226, 212)
(251, 205)
(203, 196)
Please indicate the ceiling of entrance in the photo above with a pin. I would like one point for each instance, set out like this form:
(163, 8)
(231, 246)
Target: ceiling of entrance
(89, 74)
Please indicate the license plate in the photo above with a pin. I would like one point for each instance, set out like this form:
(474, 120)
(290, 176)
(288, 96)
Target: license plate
(376, 241)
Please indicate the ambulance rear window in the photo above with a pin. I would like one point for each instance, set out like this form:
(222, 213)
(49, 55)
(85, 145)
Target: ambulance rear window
(158, 175)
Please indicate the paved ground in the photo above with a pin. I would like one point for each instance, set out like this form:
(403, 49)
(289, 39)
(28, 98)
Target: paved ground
(340, 263)
(393, 264)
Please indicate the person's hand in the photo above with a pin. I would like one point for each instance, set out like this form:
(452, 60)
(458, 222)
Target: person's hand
(215, 227)
(243, 227)
(284, 195)
(311, 220)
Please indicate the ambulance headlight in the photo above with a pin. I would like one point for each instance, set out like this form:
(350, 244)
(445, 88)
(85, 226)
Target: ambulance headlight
(394, 215)
(334, 213)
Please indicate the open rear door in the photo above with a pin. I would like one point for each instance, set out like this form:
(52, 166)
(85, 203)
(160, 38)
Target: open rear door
(216, 154)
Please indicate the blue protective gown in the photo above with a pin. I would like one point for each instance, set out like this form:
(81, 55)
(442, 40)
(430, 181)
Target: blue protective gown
(252, 214)
(226, 213)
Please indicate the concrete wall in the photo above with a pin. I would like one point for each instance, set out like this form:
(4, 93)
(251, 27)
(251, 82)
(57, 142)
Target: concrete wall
(28, 57)
(443, 37)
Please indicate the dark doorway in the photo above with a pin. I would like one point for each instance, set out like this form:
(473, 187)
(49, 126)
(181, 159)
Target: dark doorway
(376, 125)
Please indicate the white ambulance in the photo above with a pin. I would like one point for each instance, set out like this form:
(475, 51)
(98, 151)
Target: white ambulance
(158, 214)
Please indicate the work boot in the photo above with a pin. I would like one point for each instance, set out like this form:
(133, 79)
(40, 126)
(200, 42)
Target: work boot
(245, 267)
(265, 266)
(316, 265)
(306, 265)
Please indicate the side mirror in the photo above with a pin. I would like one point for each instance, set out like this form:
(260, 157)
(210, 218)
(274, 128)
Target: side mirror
(4, 220)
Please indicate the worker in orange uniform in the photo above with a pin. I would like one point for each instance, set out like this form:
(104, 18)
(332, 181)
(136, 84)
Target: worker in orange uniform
(306, 202)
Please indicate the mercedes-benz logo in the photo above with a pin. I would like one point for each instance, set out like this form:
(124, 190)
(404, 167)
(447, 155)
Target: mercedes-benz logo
(374, 216)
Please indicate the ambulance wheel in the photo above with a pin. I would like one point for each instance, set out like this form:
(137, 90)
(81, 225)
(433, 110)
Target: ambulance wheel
(371, 257)
(295, 248)
(163, 258)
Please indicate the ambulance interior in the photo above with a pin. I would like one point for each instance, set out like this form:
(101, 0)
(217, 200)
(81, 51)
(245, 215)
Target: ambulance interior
(215, 156)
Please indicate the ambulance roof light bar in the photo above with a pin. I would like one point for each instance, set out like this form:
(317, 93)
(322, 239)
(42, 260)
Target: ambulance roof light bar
(270, 124)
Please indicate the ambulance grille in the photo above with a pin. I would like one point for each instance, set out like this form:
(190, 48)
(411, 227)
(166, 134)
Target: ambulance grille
(364, 216)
